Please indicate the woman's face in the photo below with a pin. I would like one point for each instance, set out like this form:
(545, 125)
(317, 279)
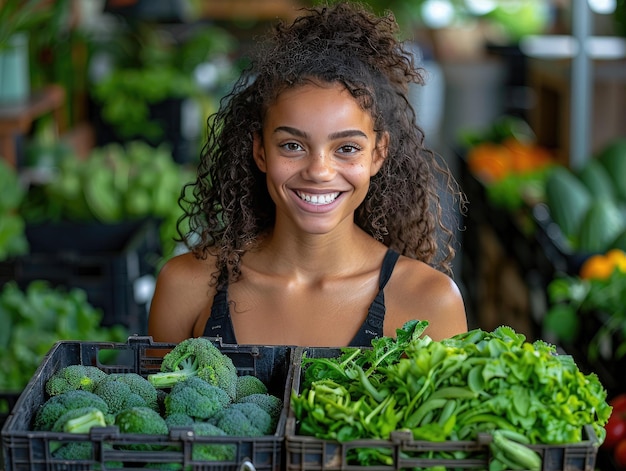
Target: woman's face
(318, 151)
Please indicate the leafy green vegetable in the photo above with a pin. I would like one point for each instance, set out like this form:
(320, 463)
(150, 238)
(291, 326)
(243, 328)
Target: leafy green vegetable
(12, 239)
(573, 298)
(35, 318)
(452, 389)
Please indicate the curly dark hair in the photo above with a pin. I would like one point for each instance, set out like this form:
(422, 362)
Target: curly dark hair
(341, 43)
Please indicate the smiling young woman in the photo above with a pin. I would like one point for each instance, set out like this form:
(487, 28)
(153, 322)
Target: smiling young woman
(315, 213)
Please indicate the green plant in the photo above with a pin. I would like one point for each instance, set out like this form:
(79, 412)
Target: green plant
(148, 70)
(18, 16)
(35, 318)
(574, 300)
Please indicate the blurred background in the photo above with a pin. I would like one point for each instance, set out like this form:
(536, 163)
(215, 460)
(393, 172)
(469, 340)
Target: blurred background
(103, 105)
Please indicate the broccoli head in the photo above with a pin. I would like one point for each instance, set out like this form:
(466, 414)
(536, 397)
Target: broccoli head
(53, 408)
(76, 450)
(196, 398)
(124, 390)
(197, 356)
(74, 377)
(213, 451)
(179, 420)
(268, 402)
(248, 384)
(142, 420)
(257, 416)
(235, 423)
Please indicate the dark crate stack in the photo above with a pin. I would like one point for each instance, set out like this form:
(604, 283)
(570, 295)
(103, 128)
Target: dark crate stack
(108, 261)
(25, 449)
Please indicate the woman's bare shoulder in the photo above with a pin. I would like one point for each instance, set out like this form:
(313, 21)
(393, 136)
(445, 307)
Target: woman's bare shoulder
(182, 294)
(418, 291)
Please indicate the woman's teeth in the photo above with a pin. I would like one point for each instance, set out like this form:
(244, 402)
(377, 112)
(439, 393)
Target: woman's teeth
(319, 199)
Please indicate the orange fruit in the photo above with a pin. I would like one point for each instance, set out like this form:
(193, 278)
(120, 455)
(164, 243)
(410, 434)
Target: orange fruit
(596, 267)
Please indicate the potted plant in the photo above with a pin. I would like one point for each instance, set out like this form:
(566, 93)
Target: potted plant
(17, 18)
(151, 78)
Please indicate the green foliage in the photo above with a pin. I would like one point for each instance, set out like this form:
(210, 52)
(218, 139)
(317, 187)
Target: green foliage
(12, 239)
(197, 356)
(452, 389)
(148, 70)
(114, 183)
(196, 398)
(572, 299)
(56, 406)
(74, 377)
(34, 319)
(21, 16)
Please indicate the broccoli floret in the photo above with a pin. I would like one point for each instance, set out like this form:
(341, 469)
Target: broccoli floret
(197, 356)
(179, 420)
(214, 451)
(142, 420)
(257, 416)
(235, 423)
(248, 384)
(79, 420)
(76, 450)
(268, 402)
(196, 398)
(74, 377)
(125, 390)
(50, 411)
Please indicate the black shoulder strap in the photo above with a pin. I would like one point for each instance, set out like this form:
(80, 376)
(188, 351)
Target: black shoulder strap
(373, 325)
(220, 324)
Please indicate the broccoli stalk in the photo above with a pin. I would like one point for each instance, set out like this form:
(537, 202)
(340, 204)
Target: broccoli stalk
(196, 356)
(81, 420)
(186, 368)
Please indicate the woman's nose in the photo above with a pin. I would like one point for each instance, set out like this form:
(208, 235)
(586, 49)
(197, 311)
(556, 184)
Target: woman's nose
(320, 166)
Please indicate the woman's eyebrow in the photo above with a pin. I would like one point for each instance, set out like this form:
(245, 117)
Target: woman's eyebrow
(347, 133)
(290, 130)
(335, 135)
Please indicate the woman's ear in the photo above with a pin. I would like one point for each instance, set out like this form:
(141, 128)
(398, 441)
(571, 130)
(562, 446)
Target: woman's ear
(380, 153)
(258, 152)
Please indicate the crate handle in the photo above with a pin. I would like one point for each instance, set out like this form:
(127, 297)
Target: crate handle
(247, 465)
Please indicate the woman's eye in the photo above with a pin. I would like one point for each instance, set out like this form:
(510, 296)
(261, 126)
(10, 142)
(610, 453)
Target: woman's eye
(291, 146)
(349, 149)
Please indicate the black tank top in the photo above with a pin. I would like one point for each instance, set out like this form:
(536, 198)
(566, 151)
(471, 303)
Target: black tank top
(220, 324)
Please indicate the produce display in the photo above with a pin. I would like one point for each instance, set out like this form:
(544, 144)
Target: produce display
(34, 319)
(588, 310)
(12, 239)
(114, 183)
(507, 159)
(615, 442)
(588, 205)
(198, 387)
(478, 382)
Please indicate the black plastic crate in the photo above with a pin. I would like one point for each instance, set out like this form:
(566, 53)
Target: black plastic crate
(25, 449)
(307, 453)
(107, 261)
